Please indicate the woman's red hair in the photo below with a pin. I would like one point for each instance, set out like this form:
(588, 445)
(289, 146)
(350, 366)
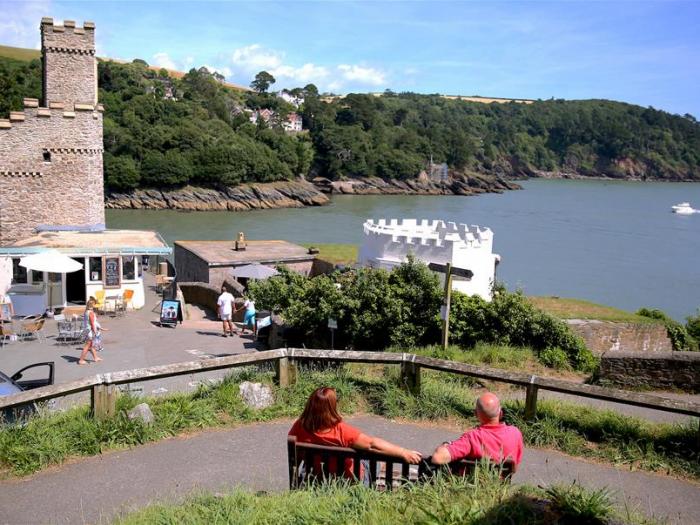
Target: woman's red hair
(320, 412)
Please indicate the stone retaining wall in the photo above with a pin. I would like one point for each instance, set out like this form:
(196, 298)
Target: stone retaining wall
(606, 336)
(652, 370)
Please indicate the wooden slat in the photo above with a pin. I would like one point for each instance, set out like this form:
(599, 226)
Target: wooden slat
(203, 365)
(49, 392)
(405, 470)
(389, 475)
(350, 356)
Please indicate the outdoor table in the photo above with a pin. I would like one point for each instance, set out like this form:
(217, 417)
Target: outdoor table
(115, 300)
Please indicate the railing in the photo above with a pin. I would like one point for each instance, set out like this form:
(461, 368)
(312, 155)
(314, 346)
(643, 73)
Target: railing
(104, 391)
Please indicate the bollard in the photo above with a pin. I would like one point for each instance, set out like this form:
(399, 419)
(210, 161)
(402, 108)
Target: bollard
(285, 372)
(531, 401)
(410, 377)
(104, 401)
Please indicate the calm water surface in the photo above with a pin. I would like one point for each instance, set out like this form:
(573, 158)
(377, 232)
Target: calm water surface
(615, 243)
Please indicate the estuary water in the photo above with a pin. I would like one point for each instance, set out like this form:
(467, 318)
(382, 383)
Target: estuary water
(614, 243)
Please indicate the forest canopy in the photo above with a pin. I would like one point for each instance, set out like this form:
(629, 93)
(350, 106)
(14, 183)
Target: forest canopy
(161, 131)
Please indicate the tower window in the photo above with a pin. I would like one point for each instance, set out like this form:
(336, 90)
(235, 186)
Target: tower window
(47, 156)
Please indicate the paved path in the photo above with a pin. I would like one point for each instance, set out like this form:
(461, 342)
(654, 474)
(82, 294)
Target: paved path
(99, 488)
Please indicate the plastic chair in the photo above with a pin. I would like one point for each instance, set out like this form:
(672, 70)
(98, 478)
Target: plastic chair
(100, 300)
(7, 333)
(126, 299)
(32, 329)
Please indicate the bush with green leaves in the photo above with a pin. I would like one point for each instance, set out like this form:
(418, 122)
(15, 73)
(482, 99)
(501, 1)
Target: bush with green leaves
(681, 340)
(692, 326)
(509, 319)
(376, 309)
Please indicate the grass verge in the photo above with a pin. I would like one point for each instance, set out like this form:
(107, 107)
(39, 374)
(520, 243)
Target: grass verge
(573, 429)
(483, 500)
(565, 308)
(335, 253)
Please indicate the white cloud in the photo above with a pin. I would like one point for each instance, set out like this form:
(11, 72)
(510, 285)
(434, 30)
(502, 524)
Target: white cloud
(163, 60)
(19, 26)
(255, 57)
(248, 60)
(362, 75)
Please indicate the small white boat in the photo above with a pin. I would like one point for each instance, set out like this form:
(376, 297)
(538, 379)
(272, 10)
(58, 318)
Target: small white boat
(683, 208)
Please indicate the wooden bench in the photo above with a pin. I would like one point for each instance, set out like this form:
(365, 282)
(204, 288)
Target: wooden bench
(309, 464)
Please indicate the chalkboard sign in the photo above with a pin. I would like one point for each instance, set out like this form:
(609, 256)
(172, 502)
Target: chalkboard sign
(112, 277)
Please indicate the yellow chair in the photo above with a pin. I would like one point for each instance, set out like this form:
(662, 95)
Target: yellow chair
(100, 300)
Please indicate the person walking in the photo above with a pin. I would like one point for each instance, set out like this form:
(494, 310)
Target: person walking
(94, 336)
(225, 304)
(249, 317)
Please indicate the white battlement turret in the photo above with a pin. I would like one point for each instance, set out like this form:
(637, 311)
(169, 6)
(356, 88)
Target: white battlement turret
(387, 243)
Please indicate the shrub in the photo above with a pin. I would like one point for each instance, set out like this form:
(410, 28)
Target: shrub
(511, 320)
(681, 340)
(692, 325)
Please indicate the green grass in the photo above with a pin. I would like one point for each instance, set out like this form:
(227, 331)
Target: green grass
(565, 308)
(481, 501)
(19, 53)
(576, 430)
(335, 253)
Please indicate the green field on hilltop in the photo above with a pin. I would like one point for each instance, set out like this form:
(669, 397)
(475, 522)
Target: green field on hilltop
(19, 53)
(567, 308)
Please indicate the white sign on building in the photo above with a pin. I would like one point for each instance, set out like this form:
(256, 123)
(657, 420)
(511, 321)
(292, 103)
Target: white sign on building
(387, 243)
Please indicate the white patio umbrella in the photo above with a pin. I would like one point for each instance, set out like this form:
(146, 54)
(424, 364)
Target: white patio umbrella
(51, 261)
(254, 271)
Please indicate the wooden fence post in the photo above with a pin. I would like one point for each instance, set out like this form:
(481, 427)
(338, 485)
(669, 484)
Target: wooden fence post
(286, 371)
(410, 377)
(104, 401)
(531, 401)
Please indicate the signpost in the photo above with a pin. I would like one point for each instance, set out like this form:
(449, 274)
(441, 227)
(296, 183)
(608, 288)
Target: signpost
(333, 326)
(449, 271)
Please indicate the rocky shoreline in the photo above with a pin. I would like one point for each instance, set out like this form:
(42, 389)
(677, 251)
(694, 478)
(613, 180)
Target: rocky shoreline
(299, 193)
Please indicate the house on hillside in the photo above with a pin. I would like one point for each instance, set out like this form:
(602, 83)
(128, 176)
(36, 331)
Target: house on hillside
(287, 96)
(265, 114)
(293, 123)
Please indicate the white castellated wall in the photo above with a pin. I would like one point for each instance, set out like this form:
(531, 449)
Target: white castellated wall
(387, 243)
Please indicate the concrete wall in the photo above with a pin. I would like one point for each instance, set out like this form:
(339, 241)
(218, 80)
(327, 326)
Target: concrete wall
(654, 370)
(605, 336)
(386, 244)
(51, 157)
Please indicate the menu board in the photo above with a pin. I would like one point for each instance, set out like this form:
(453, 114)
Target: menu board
(170, 312)
(112, 277)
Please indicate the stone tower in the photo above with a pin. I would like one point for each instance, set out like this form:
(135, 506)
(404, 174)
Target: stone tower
(51, 152)
(69, 64)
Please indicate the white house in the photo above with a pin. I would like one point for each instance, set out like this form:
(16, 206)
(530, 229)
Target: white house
(291, 99)
(293, 122)
(387, 243)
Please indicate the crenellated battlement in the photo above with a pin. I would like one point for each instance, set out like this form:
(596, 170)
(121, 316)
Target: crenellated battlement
(70, 66)
(430, 232)
(53, 146)
(32, 109)
(389, 242)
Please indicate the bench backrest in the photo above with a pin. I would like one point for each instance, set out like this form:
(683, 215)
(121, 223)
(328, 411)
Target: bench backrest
(309, 463)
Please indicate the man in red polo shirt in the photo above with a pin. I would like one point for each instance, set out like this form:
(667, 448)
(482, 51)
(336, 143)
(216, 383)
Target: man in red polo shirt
(492, 439)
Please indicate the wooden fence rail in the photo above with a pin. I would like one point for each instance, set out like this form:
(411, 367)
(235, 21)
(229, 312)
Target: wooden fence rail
(104, 392)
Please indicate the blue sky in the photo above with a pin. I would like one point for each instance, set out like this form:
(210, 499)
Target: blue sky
(645, 53)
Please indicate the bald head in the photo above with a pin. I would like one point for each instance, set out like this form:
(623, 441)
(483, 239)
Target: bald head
(488, 408)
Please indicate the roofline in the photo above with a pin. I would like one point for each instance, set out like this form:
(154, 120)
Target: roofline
(123, 250)
(283, 260)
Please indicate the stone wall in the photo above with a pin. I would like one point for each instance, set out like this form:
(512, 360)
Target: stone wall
(605, 336)
(653, 370)
(190, 267)
(51, 169)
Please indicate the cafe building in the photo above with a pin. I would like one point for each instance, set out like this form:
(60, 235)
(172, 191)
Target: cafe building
(113, 261)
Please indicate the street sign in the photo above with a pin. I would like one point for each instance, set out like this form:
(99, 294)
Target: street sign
(460, 272)
(332, 323)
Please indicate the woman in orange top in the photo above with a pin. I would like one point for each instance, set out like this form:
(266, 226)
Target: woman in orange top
(321, 424)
